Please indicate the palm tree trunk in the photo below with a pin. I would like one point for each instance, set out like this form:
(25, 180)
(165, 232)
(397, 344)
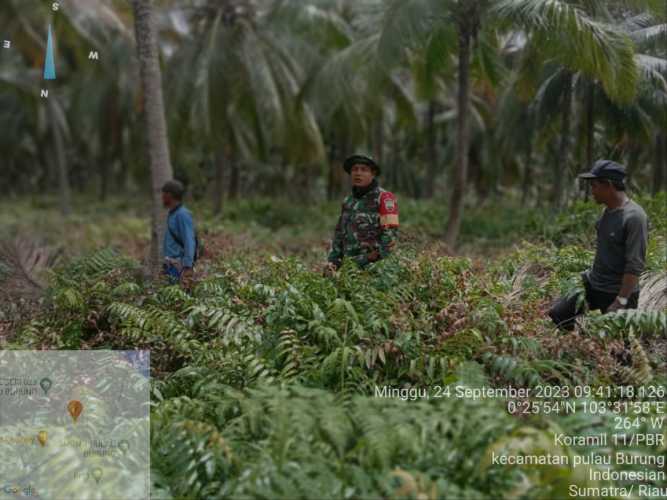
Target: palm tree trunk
(431, 151)
(331, 179)
(660, 164)
(63, 177)
(476, 175)
(64, 190)
(50, 177)
(590, 125)
(633, 160)
(219, 193)
(104, 177)
(378, 139)
(123, 177)
(155, 123)
(234, 180)
(664, 163)
(338, 151)
(525, 184)
(560, 167)
(113, 143)
(663, 186)
(463, 139)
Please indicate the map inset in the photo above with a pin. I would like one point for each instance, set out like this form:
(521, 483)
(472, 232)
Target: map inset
(74, 425)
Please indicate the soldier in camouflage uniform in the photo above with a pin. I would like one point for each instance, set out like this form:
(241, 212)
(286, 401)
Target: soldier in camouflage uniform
(367, 229)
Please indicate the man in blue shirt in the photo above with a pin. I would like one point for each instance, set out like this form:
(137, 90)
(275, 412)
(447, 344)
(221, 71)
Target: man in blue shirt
(180, 244)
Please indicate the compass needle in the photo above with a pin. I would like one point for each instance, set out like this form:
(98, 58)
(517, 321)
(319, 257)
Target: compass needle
(50, 63)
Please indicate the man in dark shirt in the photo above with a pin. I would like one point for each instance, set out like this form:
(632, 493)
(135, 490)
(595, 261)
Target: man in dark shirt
(622, 236)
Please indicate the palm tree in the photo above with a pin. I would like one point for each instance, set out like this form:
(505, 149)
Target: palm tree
(63, 129)
(559, 29)
(578, 50)
(517, 131)
(361, 96)
(155, 122)
(48, 114)
(243, 95)
(265, 82)
(108, 90)
(468, 18)
(648, 31)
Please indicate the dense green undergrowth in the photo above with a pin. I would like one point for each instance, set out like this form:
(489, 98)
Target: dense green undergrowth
(269, 378)
(283, 227)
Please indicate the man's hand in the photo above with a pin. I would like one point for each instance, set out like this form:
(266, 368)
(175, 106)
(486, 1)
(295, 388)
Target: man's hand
(329, 269)
(615, 306)
(187, 276)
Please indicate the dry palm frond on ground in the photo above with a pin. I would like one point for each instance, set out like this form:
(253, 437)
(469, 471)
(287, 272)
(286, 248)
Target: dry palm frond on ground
(653, 295)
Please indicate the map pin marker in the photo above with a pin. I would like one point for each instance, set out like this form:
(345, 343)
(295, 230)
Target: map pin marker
(74, 408)
(42, 437)
(124, 446)
(45, 384)
(97, 475)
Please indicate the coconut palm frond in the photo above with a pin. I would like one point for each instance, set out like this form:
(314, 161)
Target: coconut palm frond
(318, 22)
(547, 102)
(98, 21)
(657, 32)
(648, 35)
(653, 69)
(579, 42)
(637, 22)
(338, 80)
(406, 24)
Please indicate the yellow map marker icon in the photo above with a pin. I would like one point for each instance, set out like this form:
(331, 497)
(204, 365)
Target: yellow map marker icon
(74, 408)
(42, 437)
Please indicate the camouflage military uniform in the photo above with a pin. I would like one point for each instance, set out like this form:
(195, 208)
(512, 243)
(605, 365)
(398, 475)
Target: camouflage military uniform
(367, 229)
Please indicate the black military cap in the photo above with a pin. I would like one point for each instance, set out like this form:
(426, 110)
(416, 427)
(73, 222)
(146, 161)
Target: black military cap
(361, 160)
(605, 169)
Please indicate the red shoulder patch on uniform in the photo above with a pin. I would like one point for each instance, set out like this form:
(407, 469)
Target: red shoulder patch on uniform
(388, 210)
(388, 203)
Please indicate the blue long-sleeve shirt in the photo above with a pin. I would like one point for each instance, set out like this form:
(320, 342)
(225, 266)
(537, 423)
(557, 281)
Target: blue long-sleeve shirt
(180, 227)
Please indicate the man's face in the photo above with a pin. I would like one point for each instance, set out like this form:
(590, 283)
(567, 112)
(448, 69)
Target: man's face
(600, 189)
(168, 200)
(362, 175)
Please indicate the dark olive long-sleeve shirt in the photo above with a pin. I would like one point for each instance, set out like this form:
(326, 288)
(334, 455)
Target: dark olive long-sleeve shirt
(622, 238)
